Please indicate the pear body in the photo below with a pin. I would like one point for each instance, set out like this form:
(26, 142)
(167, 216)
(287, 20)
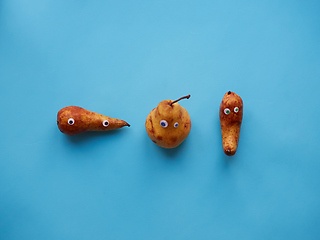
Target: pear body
(178, 124)
(230, 114)
(73, 120)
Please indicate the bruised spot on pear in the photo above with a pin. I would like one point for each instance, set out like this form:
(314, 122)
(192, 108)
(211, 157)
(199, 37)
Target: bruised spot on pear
(151, 124)
(230, 114)
(174, 139)
(73, 120)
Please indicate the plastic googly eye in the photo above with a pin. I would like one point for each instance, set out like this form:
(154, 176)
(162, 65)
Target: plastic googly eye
(227, 111)
(71, 121)
(236, 109)
(105, 123)
(164, 123)
(176, 125)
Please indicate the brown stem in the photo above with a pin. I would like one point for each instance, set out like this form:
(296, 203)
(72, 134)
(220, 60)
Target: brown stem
(187, 97)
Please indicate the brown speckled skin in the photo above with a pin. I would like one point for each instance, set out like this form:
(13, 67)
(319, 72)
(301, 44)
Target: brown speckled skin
(85, 121)
(231, 123)
(169, 137)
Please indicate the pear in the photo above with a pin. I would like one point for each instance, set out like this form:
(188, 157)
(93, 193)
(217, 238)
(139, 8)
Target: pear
(169, 124)
(74, 120)
(230, 113)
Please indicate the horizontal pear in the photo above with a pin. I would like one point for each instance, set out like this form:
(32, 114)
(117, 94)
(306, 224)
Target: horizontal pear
(73, 120)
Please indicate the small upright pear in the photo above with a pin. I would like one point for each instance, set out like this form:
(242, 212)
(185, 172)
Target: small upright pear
(230, 113)
(169, 124)
(74, 120)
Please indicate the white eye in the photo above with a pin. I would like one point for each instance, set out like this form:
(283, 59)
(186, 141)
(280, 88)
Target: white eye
(176, 125)
(227, 111)
(70, 121)
(164, 123)
(105, 123)
(236, 109)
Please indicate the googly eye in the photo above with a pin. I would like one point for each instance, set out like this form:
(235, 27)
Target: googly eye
(70, 121)
(176, 125)
(105, 123)
(236, 109)
(227, 111)
(164, 123)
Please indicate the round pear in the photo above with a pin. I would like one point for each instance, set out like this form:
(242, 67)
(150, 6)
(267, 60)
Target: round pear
(169, 124)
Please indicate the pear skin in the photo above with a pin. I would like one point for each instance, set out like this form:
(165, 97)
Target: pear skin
(169, 124)
(74, 120)
(230, 113)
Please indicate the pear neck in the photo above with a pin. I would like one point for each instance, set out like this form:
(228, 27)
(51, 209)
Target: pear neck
(185, 97)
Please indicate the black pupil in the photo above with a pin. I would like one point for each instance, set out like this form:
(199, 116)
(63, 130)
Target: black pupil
(70, 121)
(106, 123)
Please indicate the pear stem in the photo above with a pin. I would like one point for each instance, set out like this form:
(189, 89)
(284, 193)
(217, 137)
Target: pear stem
(187, 97)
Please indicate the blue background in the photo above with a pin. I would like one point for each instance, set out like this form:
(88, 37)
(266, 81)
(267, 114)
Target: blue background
(120, 59)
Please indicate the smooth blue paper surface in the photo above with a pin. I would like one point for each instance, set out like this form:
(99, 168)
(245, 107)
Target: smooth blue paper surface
(120, 59)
